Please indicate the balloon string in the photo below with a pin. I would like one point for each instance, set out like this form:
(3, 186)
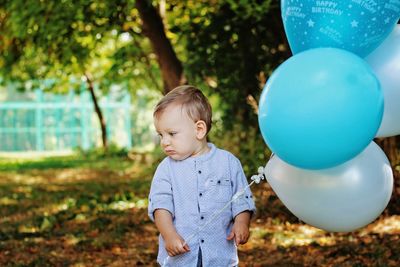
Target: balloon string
(255, 179)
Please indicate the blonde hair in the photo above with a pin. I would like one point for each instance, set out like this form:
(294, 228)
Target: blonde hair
(192, 100)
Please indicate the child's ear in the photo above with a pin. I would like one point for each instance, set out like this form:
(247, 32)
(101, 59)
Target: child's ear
(201, 129)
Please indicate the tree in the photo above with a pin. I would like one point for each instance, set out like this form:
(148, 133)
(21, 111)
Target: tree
(153, 28)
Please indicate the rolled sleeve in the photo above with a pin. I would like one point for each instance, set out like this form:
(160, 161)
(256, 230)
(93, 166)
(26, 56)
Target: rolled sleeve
(245, 202)
(160, 196)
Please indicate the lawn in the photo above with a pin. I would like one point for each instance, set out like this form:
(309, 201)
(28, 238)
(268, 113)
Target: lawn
(92, 211)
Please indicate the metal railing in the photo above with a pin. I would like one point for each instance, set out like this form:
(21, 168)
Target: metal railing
(62, 123)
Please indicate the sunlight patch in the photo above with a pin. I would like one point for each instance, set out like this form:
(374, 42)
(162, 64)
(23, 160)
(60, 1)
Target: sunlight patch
(27, 229)
(124, 205)
(8, 201)
(26, 179)
(388, 225)
(71, 240)
(287, 235)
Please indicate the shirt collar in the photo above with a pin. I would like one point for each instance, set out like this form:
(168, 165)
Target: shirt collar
(205, 156)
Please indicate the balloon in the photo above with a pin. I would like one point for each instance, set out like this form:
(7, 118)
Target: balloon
(339, 199)
(320, 108)
(385, 61)
(358, 26)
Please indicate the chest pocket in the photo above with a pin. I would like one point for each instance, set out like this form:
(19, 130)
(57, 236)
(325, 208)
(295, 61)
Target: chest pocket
(219, 189)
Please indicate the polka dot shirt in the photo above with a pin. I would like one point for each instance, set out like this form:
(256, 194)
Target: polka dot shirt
(192, 190)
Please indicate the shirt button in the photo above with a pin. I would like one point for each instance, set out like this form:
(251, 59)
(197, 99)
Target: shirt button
(202, 241)
(201, 194)
(202, 217)
(199, 172)
(219, 181)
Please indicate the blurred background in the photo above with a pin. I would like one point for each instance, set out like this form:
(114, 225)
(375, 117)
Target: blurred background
(79, 80)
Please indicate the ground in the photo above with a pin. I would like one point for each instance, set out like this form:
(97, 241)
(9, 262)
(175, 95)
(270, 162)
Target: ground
(93, 212)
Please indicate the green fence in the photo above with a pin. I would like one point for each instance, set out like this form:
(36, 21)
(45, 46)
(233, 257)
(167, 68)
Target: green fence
(63, 122)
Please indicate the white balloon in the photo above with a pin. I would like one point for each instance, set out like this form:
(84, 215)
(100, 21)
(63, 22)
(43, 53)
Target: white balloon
(385, 61)
(339, 199)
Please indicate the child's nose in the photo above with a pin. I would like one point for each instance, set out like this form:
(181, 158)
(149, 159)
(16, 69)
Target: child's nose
(165, 141)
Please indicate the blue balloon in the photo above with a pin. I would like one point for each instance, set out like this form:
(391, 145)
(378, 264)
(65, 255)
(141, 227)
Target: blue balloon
(320, 108)
(358, 26)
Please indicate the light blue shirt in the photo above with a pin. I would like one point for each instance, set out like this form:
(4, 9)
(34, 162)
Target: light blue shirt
(192, 190)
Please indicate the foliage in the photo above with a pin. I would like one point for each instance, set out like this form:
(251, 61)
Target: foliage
(231, 47)
(227, 46)
(66, 39)
(243, 143)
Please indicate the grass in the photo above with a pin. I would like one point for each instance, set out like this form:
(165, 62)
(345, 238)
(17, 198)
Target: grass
(85, 200)
(79, 160)
(91, 210)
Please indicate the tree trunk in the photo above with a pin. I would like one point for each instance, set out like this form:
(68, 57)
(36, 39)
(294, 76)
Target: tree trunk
(390, 147)
(97, 110)
(153, 28)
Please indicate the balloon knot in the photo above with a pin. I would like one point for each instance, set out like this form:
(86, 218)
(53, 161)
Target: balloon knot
(260, 176)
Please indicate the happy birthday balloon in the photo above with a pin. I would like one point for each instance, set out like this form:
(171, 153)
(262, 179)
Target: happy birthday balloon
(339, 199)
(385, 61)
(320, 108)
(358, 26)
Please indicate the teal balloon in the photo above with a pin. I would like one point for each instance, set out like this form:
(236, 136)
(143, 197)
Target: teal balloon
(357, 26)
(320, 108)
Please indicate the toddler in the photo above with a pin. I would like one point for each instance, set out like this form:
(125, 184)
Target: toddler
(195, 180)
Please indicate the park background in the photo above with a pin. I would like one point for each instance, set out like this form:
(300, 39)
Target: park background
(79, 198)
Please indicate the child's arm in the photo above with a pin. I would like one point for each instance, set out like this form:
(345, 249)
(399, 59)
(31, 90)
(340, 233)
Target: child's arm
(240, 228)
(243, 208)
(174, 243)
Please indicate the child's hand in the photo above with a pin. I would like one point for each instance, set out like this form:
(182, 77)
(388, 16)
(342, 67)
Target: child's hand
(240, 231)
(240, 228)
(175, 245)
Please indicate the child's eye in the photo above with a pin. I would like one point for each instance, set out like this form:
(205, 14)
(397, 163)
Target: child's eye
(159, 135)
(172, 133)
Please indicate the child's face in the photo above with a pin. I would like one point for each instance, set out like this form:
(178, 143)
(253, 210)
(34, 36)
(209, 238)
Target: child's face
(178, 133)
